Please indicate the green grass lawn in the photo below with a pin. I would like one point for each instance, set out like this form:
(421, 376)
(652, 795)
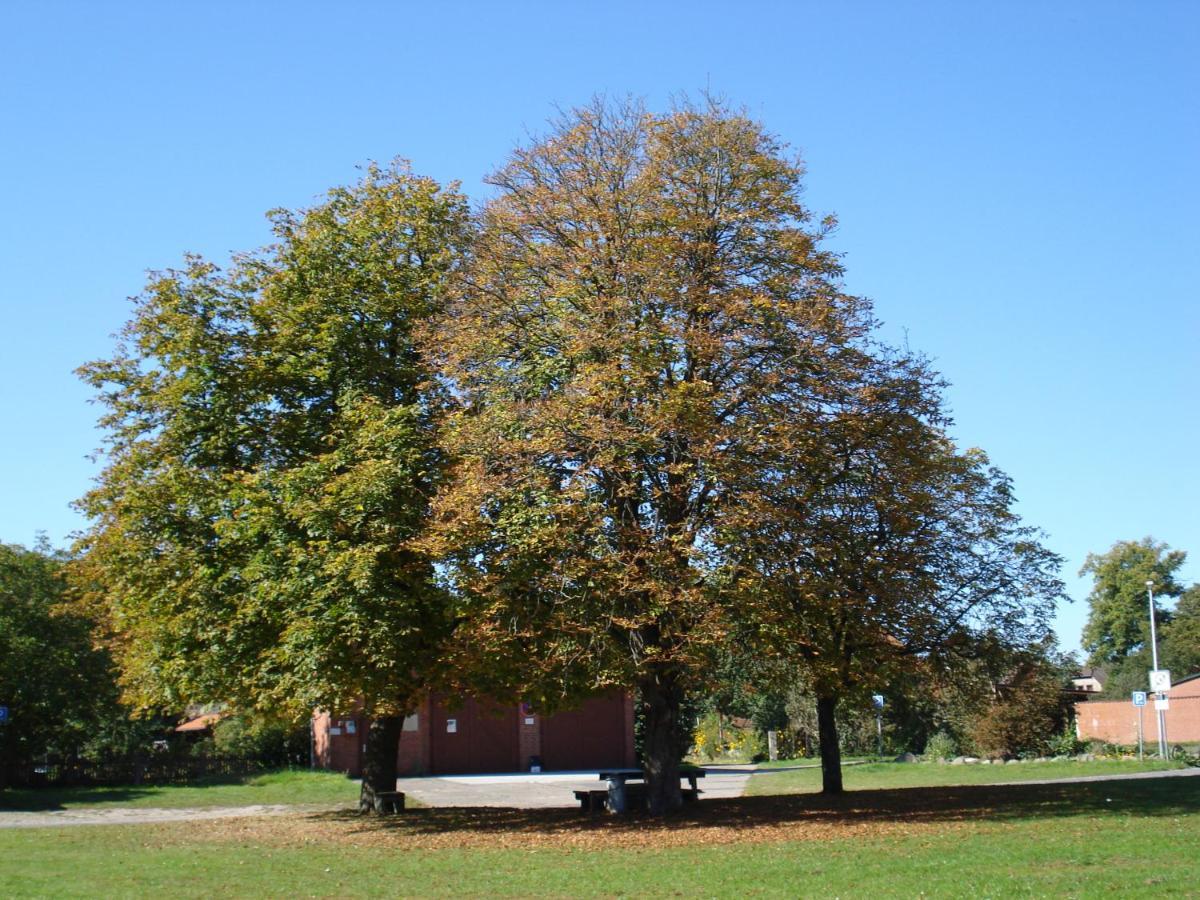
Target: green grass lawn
(1125, 838)
(298, 787)
(778, 778)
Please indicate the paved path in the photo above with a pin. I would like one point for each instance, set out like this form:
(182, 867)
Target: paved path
(1080, 779)
(546, 790)
(134, 815)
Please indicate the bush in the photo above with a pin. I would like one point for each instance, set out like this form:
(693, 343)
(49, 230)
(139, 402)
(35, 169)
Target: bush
(716, 737)
(1179, 753)
(1021, 718)
(941, 746)
(1104, 750)
(1065, 743)
(272, 742)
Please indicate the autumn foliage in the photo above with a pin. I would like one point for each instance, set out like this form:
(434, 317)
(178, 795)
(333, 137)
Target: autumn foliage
(622, 419)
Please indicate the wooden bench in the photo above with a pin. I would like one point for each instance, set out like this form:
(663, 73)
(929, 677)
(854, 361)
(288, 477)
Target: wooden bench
(592, 801)
(632, 788)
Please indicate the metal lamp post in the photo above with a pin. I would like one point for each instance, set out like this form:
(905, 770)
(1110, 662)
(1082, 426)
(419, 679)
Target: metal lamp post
(1162, 725)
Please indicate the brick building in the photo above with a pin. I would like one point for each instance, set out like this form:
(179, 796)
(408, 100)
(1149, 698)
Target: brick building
(482, 736)
(1116, 721)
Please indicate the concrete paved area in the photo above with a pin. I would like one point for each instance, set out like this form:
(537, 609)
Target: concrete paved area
(545, 790)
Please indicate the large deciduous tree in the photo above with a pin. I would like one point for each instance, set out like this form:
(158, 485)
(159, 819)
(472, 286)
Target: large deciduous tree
(875, 548)
(271, 454)
(1118, 620)
(647, 298)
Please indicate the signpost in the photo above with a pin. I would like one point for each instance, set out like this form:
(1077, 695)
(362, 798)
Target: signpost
(877, 702)
(1160, 680)
(1139, 700)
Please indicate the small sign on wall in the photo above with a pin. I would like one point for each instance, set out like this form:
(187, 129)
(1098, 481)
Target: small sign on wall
(451, 726)
(335, 731)
(350, 728)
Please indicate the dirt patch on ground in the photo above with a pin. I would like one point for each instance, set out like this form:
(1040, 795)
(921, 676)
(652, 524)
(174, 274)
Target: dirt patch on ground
(739, 820)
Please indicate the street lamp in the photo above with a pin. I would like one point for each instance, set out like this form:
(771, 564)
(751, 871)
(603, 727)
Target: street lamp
(1162, 725)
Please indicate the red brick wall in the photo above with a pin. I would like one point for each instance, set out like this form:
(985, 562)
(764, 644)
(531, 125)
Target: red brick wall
(596, 734)
(603, 725)
(1116, 721)
(341, 752)
(413, 756)
(529, 735)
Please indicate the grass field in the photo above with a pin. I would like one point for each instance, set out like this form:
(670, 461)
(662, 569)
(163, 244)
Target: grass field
(779, 778)
(1119, 838)
(300, 787)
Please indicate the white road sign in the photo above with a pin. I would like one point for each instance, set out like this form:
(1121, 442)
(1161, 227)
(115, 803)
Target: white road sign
(1162, 703)
(1160, 679)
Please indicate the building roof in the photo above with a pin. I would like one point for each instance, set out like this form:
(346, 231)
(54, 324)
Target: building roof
(200, 723)
(1098, 672)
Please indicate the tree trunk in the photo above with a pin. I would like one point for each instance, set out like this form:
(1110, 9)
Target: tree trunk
(662, 702)
(831, 753)
(379, 762)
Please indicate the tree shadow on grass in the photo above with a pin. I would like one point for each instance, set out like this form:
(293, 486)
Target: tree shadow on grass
(931, 805)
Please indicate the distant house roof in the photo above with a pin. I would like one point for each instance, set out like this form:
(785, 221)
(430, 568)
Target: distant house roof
(200, 723)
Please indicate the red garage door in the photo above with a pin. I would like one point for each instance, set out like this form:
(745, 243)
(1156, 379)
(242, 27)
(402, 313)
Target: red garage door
(591, 737)
(476, 737)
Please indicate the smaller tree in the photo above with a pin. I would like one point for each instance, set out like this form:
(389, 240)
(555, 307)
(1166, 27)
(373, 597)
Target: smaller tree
(1181, 650)
(1118, 621)
(58, 688)
(887, 551)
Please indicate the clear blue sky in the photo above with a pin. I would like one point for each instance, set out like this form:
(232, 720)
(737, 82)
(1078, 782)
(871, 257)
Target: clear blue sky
(1018, 186)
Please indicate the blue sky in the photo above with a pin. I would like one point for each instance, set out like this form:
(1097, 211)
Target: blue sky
(1017, 185)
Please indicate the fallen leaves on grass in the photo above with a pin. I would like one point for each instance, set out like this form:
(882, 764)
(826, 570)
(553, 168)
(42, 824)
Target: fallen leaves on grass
(710, 822)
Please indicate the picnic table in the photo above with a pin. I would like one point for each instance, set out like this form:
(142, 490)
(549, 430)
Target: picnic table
(626, 787)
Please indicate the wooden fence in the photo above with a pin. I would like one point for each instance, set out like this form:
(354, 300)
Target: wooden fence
(148, 769)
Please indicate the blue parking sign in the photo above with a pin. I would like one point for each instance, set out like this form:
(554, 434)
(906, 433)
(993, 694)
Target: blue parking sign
(1139, 698)
(3, 715)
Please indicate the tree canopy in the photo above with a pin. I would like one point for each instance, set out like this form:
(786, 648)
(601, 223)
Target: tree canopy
(58, 688)
(1181, 653)
(661, 373)
(1118, 622)
(1117, 632)
(883, 549)
(271, 451)
(623, 418)
(647, 295)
